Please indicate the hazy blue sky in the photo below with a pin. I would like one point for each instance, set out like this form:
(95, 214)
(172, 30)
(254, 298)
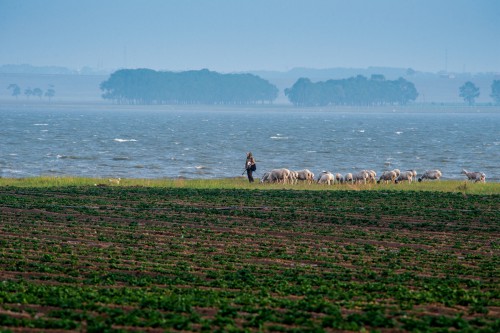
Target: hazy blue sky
(233, 35)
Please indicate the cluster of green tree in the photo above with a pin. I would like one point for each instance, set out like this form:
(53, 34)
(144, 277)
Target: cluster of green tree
(146, 86)
(377, 90)
(28, 92)
(357, 90)
(469, 92)
(495, 91)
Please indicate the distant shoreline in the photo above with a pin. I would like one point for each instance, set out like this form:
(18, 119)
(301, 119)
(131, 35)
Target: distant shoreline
(6, 105)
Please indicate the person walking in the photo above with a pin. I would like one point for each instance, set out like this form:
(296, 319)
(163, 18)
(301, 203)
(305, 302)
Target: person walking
(250, 166)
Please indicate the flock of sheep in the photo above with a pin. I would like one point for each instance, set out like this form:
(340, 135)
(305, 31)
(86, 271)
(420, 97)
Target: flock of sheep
(287, 176)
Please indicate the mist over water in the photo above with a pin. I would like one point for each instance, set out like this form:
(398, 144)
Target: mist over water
(201, 143)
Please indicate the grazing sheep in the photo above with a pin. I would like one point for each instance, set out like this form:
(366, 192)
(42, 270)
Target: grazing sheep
(265, 177)
(405, 175)
(475, 176)
(387, 176)
(326, 177)
(372, 176)
(361, 176)
(280, 175)
(431, 174)
(305, 175)
(115, 180)
(294, 177)
(348, 178)
(413, 173)
(339, 178)
(397, 172)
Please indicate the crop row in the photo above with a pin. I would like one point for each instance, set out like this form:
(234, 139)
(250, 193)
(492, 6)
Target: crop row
(124, 259)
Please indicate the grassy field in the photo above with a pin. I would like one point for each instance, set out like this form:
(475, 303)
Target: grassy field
(206, 256)
(464, 187)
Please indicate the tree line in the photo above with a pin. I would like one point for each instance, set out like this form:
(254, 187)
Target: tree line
(374, 91)
(469, 92)
(15, 90)
(356, 91)
(146, 86)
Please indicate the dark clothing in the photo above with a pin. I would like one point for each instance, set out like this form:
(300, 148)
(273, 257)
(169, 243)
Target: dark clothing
(249, 175)
(250, 167)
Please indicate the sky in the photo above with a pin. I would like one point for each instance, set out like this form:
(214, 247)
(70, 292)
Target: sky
(250, 35)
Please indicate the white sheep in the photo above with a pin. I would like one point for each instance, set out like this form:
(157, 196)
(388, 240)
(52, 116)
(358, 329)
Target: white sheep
(372, 176)
(431, 174)
(305, 175)
(405, 175)
(326, 177)
(361, 176)
(280, 175)
(115, 180)
(387, 176)
(265, 177)
(397, 172)
(348, 178)
(475, 176)
(413, 173)
(339, 178)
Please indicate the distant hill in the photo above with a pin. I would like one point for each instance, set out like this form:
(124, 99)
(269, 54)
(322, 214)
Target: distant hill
(49, 70)
(334, 73)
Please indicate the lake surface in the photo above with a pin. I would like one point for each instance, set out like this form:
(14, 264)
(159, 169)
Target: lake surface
(200, 143)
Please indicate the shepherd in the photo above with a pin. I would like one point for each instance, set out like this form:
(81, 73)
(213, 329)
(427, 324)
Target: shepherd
(250, 166)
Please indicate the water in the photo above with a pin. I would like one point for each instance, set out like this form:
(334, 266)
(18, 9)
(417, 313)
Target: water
(196, 143)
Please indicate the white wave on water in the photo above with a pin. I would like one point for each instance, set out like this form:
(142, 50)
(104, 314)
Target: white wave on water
(73, 157)
(40, 124)
(125, 140)
(9, 171)
(278, 137)
(399, 132)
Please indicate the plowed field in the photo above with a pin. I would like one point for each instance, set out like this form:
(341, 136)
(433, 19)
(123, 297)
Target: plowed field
(163, 259)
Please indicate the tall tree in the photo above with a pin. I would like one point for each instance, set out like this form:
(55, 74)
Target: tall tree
(495, 91)
(50, 92)
(28, 92)
(16, 90)
(469, 92)
(298, 93)
(38, 93)
(406, 91)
